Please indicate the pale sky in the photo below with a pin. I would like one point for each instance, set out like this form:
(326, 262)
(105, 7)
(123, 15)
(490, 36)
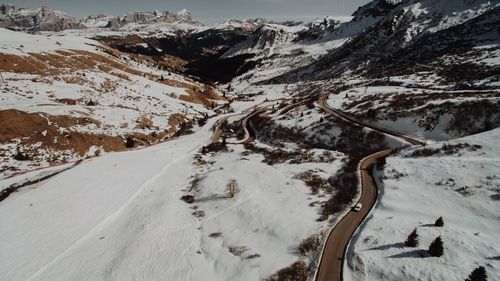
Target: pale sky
(207, 11)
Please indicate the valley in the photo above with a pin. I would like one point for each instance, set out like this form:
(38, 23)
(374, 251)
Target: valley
(151, 146)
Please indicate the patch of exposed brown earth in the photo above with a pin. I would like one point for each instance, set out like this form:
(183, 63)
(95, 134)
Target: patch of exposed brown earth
(33, 128)
(201, 95)
(175, 121)
(63, 65)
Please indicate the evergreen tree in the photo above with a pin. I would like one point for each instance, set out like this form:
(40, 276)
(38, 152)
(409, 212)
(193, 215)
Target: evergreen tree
(20, 156)
(478, 274)
(439, 222)
(412, 240)
(436, 248)
(129, 142)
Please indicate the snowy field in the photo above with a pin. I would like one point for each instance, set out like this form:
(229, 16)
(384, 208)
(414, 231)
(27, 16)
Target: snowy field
(120, 216)
(463, 188)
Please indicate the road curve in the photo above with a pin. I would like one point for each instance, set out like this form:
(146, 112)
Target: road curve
(339, 114)
(244, 124)
(331, 263)
(218, 129)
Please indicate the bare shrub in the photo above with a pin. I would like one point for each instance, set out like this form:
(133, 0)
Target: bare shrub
(313, 181)
(495, 197)
(309, 245)
(188, 198)
(297, 271)
(254, 256)
(195, 182)
(215, 234)
(238, 250)
(199, 214)
(213, 147)
(424, 152)
(232, 188)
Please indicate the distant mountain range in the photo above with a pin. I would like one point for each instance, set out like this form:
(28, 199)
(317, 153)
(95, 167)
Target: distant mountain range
(45, 19)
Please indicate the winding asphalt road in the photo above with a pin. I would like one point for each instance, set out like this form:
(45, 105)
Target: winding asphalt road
(331, 264)
(345, 117)
(244, 124)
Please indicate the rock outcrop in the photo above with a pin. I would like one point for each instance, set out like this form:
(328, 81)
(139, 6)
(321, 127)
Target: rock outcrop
(38, 19)
(150, 17)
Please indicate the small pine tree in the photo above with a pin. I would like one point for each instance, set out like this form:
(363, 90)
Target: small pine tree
(478, 274)
(162, 78)
(129, 142)
(20, 156)
(302, 114)
(321, 119)
(436, 247)
(412, 240)
(439, 222)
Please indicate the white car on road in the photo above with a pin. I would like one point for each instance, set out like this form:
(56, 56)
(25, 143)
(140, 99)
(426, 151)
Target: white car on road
(357, 207)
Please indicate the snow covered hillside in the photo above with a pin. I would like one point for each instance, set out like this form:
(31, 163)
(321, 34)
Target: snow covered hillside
(421, 111)
(124, 219)
(456, 180)
(67, 97)
(149, 146)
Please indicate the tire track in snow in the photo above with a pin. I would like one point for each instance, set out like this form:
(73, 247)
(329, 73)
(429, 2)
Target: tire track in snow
(112, 216)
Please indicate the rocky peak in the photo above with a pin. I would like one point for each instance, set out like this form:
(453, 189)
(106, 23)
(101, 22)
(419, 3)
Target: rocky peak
(37, 19)
(184, 14)
(376, 8)
(150, 17)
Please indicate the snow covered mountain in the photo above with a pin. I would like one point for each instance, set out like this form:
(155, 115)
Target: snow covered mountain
(183, 16)
(446, 52)
(40, 19)
(264, 40)
(412, 33)
(149, 146)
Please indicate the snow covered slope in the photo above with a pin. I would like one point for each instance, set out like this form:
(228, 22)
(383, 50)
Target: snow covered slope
(457, 180)
(66, 97)
(120, 216)
(413, 37)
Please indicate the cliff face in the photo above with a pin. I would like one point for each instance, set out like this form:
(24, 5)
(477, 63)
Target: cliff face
(141, 18)
(39, 19)
(411, 34)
